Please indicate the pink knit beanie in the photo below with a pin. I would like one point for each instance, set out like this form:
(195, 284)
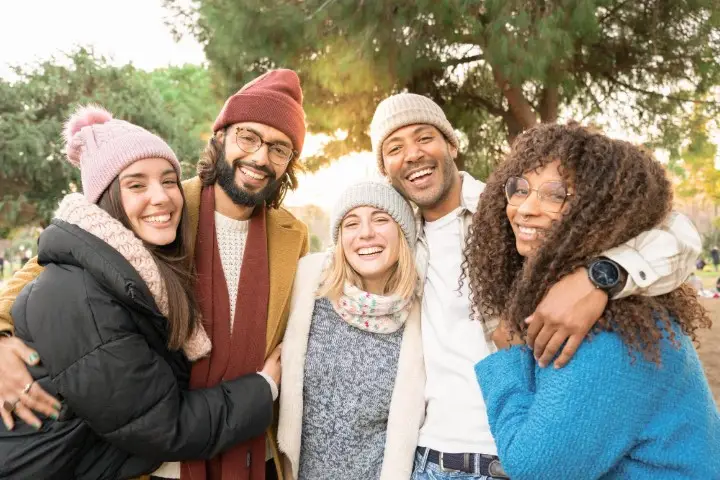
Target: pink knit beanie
(102, 147)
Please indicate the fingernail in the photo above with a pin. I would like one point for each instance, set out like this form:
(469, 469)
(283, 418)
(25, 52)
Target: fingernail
(37, 426)
(54, 416)
(57, 406)
(34, 357)
(542, 364)
(527, 320)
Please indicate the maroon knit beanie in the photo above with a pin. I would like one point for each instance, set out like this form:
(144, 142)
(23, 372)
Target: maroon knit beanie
(274, 99)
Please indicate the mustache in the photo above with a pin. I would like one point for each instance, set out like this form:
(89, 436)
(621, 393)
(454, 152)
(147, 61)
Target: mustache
(237, 163)
(417, 166)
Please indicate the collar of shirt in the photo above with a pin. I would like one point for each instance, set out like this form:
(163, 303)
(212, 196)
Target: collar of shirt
(469, 198)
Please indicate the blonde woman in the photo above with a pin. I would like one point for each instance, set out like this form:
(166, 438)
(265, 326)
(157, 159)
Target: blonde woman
(352, 399)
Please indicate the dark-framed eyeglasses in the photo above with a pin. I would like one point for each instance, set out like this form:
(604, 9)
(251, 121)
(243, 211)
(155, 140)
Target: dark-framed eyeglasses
(552, 195)
(250, 142)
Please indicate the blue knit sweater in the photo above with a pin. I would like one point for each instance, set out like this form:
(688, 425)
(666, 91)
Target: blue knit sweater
(602, 416)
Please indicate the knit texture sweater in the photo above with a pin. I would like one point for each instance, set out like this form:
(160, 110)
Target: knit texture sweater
(349, 379)
(604, 416)
(231, 237)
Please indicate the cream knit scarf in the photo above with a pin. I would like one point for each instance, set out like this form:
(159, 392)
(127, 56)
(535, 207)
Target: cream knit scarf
(76, 210)
(371, 312)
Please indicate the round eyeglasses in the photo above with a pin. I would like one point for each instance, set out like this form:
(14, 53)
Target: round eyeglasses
(552, 195)
(250, 142)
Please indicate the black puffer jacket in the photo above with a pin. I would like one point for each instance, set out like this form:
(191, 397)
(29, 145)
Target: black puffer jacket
(102, 343)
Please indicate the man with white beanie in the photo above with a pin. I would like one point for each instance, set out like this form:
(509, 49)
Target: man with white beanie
(416, 146)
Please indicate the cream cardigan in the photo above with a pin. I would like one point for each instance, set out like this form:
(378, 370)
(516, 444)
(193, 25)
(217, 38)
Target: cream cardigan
(407, 405)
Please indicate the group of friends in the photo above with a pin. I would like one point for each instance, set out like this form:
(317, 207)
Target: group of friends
(536, 326)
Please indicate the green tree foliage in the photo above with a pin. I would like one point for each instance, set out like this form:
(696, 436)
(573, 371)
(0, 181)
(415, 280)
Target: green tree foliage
(497, 67)
(175, 103)
(315, 243)
(695, 161)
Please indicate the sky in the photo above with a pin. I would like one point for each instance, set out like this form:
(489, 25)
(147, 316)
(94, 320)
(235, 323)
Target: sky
(134, 31)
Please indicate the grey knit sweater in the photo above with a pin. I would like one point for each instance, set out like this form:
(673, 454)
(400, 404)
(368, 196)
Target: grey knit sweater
(349, 380)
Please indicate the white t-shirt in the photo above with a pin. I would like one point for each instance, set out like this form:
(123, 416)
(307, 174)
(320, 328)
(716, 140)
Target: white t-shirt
(456, 416)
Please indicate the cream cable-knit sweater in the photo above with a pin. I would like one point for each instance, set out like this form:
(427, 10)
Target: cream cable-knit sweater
(231, 237)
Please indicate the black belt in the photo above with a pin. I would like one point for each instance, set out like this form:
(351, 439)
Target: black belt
(474, 463)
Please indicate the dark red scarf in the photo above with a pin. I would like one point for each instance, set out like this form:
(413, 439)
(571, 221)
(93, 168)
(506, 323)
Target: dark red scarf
(241, 352)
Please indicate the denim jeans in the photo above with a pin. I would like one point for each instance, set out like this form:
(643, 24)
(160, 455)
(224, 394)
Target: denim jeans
(423, 470)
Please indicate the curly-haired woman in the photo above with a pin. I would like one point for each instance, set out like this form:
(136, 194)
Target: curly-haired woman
(634, 402)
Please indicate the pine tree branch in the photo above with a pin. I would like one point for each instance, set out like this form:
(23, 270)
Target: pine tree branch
(611, 13)
(460, 61)
(487, 105)
(658, 94)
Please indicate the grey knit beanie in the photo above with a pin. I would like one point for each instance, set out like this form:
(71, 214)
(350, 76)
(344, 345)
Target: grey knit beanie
(373, 193)
(402, 110)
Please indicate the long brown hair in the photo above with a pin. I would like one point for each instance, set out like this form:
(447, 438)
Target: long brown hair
(620, 191)
(175, 264)
(207, 171)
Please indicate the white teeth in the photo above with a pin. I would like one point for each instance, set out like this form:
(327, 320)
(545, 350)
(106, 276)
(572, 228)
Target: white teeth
(420, 173)
(254, 175)
(158, 218)
(369, 250)
(528, 230)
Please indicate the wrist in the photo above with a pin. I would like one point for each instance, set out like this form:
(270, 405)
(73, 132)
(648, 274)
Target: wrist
(272, 383)
(606, 275)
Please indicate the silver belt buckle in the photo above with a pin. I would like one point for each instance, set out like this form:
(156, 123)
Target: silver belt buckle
(466, 463)
(496, 471)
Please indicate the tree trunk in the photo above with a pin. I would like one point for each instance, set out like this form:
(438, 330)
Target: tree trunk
(549, 104)
(513, 126)
(519, 107)
(460, 161)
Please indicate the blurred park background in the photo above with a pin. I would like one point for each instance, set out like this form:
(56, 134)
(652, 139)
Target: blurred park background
(645, 70)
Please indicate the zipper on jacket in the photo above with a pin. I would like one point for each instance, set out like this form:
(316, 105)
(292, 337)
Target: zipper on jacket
(248, 459)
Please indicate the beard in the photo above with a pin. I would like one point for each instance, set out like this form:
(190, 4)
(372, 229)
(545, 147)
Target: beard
(429, 199)
(240, 196)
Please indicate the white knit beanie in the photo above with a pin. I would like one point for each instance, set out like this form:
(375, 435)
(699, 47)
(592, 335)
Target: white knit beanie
(402, 110)
(373, 193)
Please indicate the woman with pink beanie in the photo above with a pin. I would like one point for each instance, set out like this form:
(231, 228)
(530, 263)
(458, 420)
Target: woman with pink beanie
(114, 319)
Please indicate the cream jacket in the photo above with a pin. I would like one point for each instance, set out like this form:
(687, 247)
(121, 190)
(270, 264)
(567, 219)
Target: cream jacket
(407, 405)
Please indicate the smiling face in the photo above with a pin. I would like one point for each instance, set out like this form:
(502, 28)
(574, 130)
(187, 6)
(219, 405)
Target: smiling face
(370, 240)
(249, 179)
(530, 218)
(420, 164)
(152, 200)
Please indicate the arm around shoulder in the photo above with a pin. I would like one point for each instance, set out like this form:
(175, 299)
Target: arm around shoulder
(659, 260)
(30, 271)
(128, 393)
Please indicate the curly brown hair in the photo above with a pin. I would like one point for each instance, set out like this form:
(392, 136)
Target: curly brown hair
(620, 191)
(207, 171)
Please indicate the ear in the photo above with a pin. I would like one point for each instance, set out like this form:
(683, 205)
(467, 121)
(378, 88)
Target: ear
(453, 150)
(220, 135)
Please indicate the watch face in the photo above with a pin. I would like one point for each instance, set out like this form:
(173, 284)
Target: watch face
(604, 273)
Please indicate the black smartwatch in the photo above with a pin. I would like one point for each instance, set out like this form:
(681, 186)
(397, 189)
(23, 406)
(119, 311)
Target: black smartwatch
(605, 275)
